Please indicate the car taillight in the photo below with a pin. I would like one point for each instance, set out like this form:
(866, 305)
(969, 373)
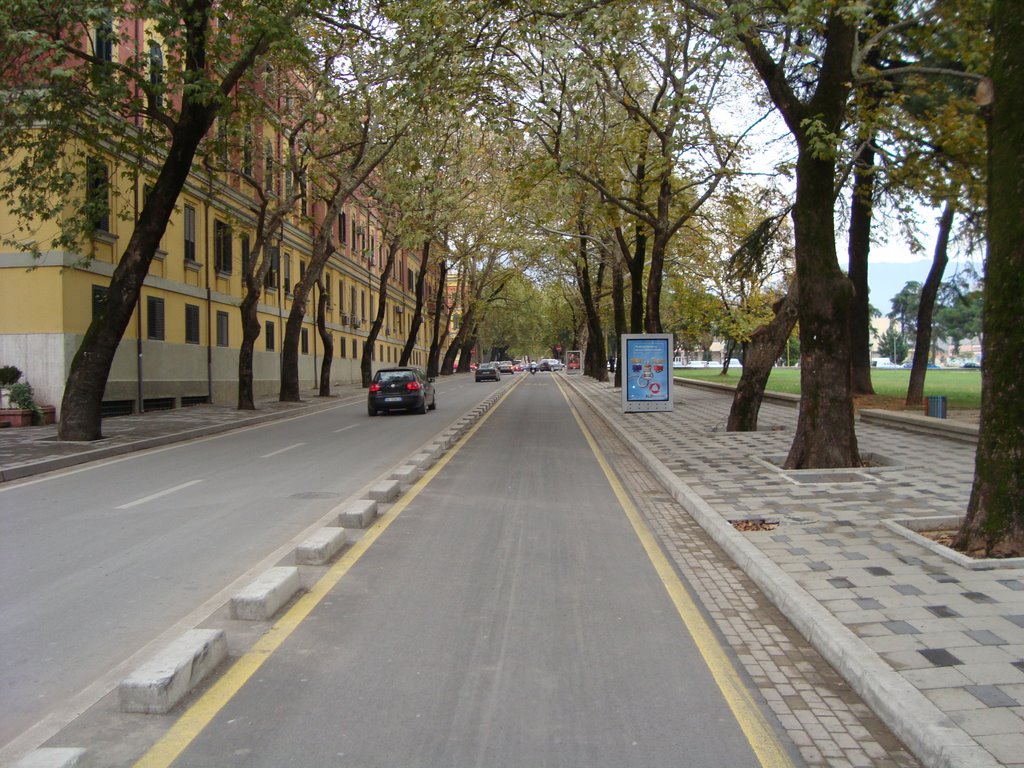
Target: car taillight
(375, 387)
(413, 386)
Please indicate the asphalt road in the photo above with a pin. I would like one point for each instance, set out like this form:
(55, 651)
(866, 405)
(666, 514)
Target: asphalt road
(104, 563)
(508, 614)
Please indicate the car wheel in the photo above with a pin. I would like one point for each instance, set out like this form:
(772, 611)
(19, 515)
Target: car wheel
(371, 410)
(433, 403)
(423, 406)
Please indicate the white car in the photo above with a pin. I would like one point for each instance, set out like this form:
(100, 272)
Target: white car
(697, 364)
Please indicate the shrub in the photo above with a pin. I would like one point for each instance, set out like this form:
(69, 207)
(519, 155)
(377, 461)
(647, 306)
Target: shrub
(9, 375)
(20, 396)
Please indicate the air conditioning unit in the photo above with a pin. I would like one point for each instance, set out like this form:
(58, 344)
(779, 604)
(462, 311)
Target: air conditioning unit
(355, 322)
(399, 309)
(344, 319)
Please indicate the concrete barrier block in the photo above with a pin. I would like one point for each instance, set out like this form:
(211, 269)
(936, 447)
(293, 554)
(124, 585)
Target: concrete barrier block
(423, 461)
(389, 490)
(160, 683)
(320, 547)
(357, 514)
(407, 473)
(262, 599)
(54, 757)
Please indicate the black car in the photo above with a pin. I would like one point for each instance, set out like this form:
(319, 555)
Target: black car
(400, 389)
(488, 372)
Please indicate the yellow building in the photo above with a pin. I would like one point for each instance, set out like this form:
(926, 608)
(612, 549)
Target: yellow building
(183, 346)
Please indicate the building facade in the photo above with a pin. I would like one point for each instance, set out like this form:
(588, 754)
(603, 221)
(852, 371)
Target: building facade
(183, 346)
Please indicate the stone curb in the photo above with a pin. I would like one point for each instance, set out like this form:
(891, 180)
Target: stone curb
(319, 548)
(159, 684)
(54, 757)
(357, 514)
(933, 738)
(264, 597)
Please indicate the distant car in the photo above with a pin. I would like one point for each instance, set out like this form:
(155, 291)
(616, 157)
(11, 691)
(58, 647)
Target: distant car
(971, 364)
(697, 364)
(505, 366)
(400, 389)
(544, 365)
(488, 372)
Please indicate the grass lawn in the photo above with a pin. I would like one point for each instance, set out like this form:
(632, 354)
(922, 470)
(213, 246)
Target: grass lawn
(962, 387)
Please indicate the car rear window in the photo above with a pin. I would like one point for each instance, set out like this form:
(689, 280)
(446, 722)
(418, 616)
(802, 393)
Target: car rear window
(393, 376)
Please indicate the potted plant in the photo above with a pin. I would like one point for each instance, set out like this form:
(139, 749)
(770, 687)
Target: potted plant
(9, 376)
(22, 405)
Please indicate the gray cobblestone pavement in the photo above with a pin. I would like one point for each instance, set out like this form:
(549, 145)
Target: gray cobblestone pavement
(934, 647)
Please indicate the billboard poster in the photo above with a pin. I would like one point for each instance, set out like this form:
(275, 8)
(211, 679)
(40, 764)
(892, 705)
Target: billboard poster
(646, 361)
(574, 361)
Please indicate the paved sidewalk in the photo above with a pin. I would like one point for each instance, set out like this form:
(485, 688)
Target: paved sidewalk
(934, 647)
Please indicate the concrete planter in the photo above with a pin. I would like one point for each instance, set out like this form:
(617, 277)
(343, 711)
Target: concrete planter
(22, 417)
(16, 417)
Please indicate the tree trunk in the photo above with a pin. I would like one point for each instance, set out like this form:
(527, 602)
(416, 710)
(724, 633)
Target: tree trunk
(448, 365)
(861, 211)
(83, 393)
(466, 351)
(328, 341)
(417, 314)
(995, 513)
(249, 309)
(595, 363)
(366, 364)
(825, 436)
(440, 308)
(767, 344)
(619, 315)
(926, 307)
(80, 413)
(659, 246)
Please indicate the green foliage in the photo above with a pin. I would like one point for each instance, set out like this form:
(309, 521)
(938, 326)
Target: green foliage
(893, 344)
(20, 396)
(9, 374)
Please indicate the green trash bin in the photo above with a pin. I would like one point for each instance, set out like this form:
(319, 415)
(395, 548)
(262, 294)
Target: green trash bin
(937, 406)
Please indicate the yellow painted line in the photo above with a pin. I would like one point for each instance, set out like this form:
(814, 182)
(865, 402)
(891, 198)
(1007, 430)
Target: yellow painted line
(755, 727)
(188, 727)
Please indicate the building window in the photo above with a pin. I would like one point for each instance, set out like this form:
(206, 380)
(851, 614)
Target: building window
(222, 328)
(191, 324)
(99, 299)
(247, 150)
(190, 234)
(97, 195)
(268, 166)
(341, 347)
(244, 240)
(105, 41)
(355, 351)
(223, 142)
(154, 318)
(342, 231)
(352, 300)
(222, 247)
(268, 333)
(304, 341)
(156, 75)
(274, 254)
(287, 274)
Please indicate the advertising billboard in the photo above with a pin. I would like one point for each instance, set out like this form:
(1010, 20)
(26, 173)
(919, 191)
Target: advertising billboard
(646, 360)
(574, 361)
